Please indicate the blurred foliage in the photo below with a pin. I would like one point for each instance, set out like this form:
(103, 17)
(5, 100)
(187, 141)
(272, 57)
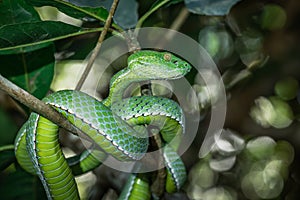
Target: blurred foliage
(258, 170)
(287, 88)
(255, 45)
(273, 17)
(272, 111)
(207, 7)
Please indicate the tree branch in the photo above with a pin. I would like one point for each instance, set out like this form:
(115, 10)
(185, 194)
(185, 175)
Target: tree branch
(176, 25)
(157, 187)
(98, 45)
(180, 19)
(36, 105)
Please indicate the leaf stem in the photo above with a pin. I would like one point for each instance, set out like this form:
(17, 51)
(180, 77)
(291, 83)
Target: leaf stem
(147, 14)
(18, 48)
(7, 147)
(177, 23)
(98, 45)
(180, 19)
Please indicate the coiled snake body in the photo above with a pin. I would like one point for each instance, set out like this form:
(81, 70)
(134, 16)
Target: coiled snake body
(112, 124)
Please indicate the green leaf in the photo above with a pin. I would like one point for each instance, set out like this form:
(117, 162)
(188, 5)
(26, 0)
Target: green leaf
(72, 10)
(158, 4)
(273, 17)
(17, 35)
(21, 29)
(32, 71)
(287, 88)
(7, 156)
(16, 11)
(217, 42)
(249, 46)
(126, 14)
(210, 7)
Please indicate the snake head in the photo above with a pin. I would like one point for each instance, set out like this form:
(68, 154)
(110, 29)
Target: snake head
(157, 65)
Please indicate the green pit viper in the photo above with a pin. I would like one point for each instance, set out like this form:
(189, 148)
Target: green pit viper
(113, 124)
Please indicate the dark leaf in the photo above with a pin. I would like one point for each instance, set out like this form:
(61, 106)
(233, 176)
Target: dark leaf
(32, 71)
(72, 10)
(7, 157)
(210, 7)
(16, 11)
(126, 14)
(33, 33)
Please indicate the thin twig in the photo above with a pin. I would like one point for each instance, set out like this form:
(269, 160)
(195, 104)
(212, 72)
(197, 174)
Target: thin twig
(176, 25)
(147, 14)
(132, 42)
(157, 187)
(180, 19)
(7, 147)
(36, 105)
(98, 45)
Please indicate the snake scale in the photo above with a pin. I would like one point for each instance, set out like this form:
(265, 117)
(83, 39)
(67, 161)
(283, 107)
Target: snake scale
(113, 124)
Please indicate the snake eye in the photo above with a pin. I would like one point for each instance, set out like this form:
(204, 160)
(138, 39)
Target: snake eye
(167, 56)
